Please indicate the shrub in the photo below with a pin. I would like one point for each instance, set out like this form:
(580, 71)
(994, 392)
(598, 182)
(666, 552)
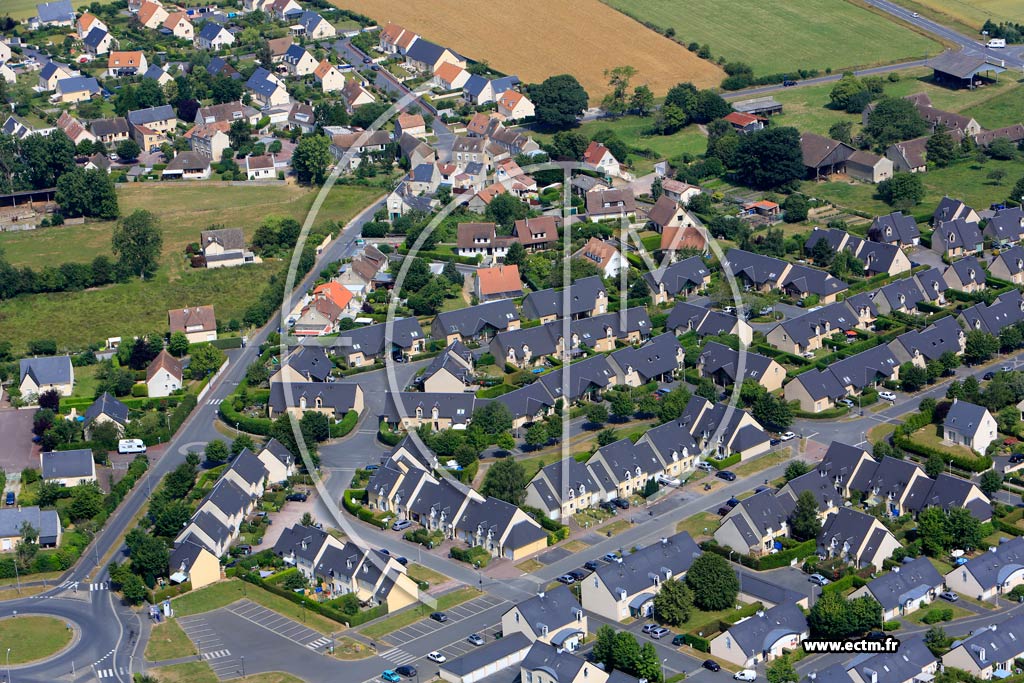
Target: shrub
(936, 615)
(890, 625)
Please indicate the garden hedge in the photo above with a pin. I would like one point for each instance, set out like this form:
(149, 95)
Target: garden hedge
(347, 424)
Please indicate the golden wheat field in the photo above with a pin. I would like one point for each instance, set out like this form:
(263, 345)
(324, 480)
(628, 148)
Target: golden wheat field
(535, 39)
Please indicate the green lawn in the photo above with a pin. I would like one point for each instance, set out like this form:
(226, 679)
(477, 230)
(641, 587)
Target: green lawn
(224, 593)
(967, 13)
(168, 641)
(76, 319)
(30, 638)
(811, 34)
(697, 523)
(200, 672)
(413, 614)
(958, 612)
(1005, 109)
(633, 131)
(23, 9)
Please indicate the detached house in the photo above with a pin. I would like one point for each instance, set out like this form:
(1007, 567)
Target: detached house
(722, 364)
(299, 61)
(856, 538)
(554, 617)
(957, 237)
(969, 425)
(475, 323)
(602, 254)
(1009, 265)
(950, 209)
(47, 373)
(364, 345)
(753, 525)
(895, 228)
(355, 94)
(682, 277)
(921, 346)
(199, 324)
(992, 573)
(106, 408)
(178, 25)
(192, 562)
(126, 64)
(537, 233)
(904, 590)
(45, 522)
(498, 282)
(1007, 225)
(425, 56)
(267, 89)
(601, 158)
(514, 105)
(329, 78)
(98, 42)
(278, 461)
(214, 37)
(765, 636)
(163, 376)
(965, 275)
(78, 89)
(611, 204)
(333, 399)
(225, 247)
(151, 14)
(315, 27)
(68, 468)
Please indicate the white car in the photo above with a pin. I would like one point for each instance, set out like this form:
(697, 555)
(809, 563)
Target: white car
(705, 467)
(787, 436)
(887, 395)
(436, 656)
(745, 675)
(808, 354)
(666, 480)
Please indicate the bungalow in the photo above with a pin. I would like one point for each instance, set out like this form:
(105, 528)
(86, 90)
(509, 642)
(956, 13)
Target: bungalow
(904, 590)
(611, 204)
(725, 366)
(225, 247)
(198, 323)
(991, 573)
(856, 538)
(602, 254)
(753, 525)
(816, 391)
(537, 233)
(106, 408)
(989, 652)
(425, 56)
(554, 617)
(965, 275)
(765, 636)
(682, 277)
(68, 468)
(957, 237)
(78, 89)
(45, 522)
(868, 167)
(895, 228)
(163, 375)
(1009, 265)
(679, 191)
(744, 123)
(824, 156)
(187, 166)
(333, 399)
(190, 561)
(259, 167)
(686, 317)
(587, 297)
(601, 158)
(514, 105)
(56, 13)
(475, 323)
(46, 373)
(277, 460)
(126, 64)
(178, 25)
(214, 37)
(969, 425)
(364, 345)
(267, 89)
(658, 359)
(620, 590)
(498, 282)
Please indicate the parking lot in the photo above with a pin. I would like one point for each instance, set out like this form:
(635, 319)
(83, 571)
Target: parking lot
(282, 626)
(212, 648)
(425, 627)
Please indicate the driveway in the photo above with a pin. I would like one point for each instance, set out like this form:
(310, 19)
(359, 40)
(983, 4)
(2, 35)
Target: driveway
(16, 448)
(921, 256)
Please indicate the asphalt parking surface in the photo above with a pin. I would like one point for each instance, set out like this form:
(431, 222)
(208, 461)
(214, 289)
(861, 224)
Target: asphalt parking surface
(455, 614)
(212, 649)
(282, 626)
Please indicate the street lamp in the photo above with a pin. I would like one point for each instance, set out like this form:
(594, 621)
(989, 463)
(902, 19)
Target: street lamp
(9, 664)
(663, 662)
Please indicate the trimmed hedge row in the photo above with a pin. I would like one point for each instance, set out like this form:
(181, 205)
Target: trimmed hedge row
(252, 425)
(971, 464)
(727, 463)
(848, 581)
(347, 424)
(779, 559)
(357, 509)
(829, 414)
(386, 436)
(322, 609)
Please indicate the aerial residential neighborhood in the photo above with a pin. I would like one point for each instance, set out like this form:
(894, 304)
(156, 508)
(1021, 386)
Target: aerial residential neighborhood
(591, 342)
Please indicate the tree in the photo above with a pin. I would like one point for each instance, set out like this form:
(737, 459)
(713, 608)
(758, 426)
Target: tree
(104, 435)
(913, 377)
(604, 647)
(1002, 149)
(781, 670)
(494, 418)
(963, 528)
(846, 88)
(149, 554)
(979, 347)
(648, 665)
(796, 207)
(950, 361)
(622, 404)
(315, 427)
(770, 158)
(128, 150)
(204, 359)
(894, 119)
(709, 106)
(642, 101)
(829, 617)
(940, 150)
(169, 516)
(1017, 194)
(536, 435)
(178, 344)
(506, 480)
(804, 523)
(311, 158)
(558, 101)
(505, 210)
(713, 582)
(596, 413)
(134, 590)
(136, 242)
(86, 501)
(618, 80)
(516, 254)
(902, 190)
(796, 468)
(772, 411)
(990, 482)
(87, 192)
(49, 400)
(931, 530)
(216, 451)
(706, 389)
(937, 641)
(934, 466)
(673, 602)
(625, 652)
(607, 436)
(842, 131)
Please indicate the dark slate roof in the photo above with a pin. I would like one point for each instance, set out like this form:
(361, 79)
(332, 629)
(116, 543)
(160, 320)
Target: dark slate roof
(183, 557)
(757, 634)
(219, 64)
(1012, 258)
(637, 570)
(593, 372)
(807, 280)
(109, 406)
(1006, 224)
(154, 72)
(487, 654)
(964, 418)
(941, 336)
(877, 257)
(151, 114)
(261, 83)
(902, 294)
(821, 384)
(894, 227)
(228, 497)
(997, 642)
(46, 522)
(523, 534)
(906, 582)
(903, 665)
(766, 590)
(527, 401)
(948, 209)
(968, 270)
(95, 37)
(1007, 309)
(487, 516)
(559, 665)
(278, 450)
(475, 320)
(578, 475)
(820, 486)
(846, 526)
(992, 568)
(957, 233)
(416, 450)
(58, 10)
(718, 357)
(456, 407)
(67, 464)
(828, 319)
(756, 268)
(866, 367)
(443, 497)
(447, 360)
(931, 283)
(248, 467)
(541, 340)
(303, 541)
(582, 298)
(425, 51)
(671, 437)
(619, 325)
(210, 31)
(625, 459)
(656, 357)
(834, 673)
(113, 126)
(340, 396)
(765, 510)
(371, 339)
(310, 361)
(833, 237)
(212, 527)
(679, 276)
(47, 369)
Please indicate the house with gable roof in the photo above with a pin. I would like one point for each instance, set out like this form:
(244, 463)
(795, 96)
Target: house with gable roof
(752, 526)
(475, 323)
(45, 522)
(213, 36)
(56, 13)
(129, 63)
(965, 275)
(46, 373)
(267, 89)
(895, 228)
(969, 425)
(163, 375)
(98, 41)
(328, 76)
(106, 408)
(762, 637)
(498, 282)
(198, 323)
(905, 589)
(554, 617)
(1009, 265)
(68, 468)
(315, 27)
(602, 254)
(995, 572)
(1007, 225)
(600, 157)
(957, 237)
(277, 460)
(856, 538)
(682, 277)
(921, 346)
(190, 561)
(989, 652)
(721, 364)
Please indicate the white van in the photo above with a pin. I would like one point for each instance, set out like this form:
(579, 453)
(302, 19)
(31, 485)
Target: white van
(125, 446)
(996, 42)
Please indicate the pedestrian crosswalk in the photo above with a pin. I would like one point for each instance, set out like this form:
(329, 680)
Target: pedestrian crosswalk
(215, 401)
(102, 586)
(216, 654)
(398, 656)
(318, 643)
(110, 673)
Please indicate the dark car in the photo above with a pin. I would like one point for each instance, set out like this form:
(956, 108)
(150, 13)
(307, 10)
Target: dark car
(439, 617)
(298, 496)
(774, 442)
(875, 636)
(372, 468)
(621, 503)
(404, 561)
(1014, 459)
(988, 375)
(406, 670)
(711, 665)
(366, 60)
(679, 639)
(788, 83)
(727, 475)
(577, 574)
(10, 498)
(591, 565)
(607, 506)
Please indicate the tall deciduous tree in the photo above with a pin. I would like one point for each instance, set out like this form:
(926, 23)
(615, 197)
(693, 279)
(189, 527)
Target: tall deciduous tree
(770, 157)
(506, 480)
(673, 602)
(558, 101)
(136, 242)
(804, 523)
(940, 150)
(311, 158)
(713, 582)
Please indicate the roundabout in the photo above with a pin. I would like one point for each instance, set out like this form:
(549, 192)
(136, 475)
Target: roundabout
(30, 639)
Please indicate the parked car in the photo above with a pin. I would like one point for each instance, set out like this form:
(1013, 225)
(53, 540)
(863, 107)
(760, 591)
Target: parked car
(406, 670)
(475, 639)
(887, 395)
(1014, 459)
(818, 580)
(705, 467)
(591, 565)
(659, 632)
(298, 496)
(578, 574)
(678, 639)
(606, 506)
(612, 557)
(774, 442)
(440, 617)
(390, 676)
(727, 475)
(988, 375)
(566, 579)
(10, 498)
(621, 503)
(766, 310)
(949, 595)
(649, 627)
(787, 84)
(745, 675)
(1006, 368)
(401, 525)
(711, 665)
(874, 636)
(761, 488)
(787, 436)
(808, 354)
(436, 656)
(404, 561)
(666, 480)
(845, 402)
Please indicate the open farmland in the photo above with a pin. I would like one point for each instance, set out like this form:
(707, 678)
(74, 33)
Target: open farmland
(535, 39)
(810, 34)
(968, 13)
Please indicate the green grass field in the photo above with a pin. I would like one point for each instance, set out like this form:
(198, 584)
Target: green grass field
(168, 641)
(32, 637)
(632, 130)
(76, 319)
(786, 36)
(23, 9)
(967, 13)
